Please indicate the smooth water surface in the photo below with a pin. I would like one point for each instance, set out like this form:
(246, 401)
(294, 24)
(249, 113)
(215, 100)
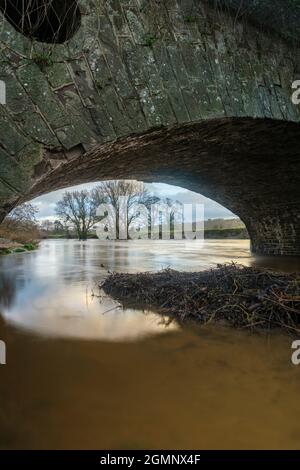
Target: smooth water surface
(82, 372)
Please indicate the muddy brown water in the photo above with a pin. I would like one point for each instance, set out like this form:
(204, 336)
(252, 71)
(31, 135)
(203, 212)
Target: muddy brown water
(83, 373)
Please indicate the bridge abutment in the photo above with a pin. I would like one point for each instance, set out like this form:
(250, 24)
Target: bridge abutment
(276, 234)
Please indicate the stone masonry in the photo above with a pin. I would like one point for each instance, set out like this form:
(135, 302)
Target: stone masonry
(186, 92)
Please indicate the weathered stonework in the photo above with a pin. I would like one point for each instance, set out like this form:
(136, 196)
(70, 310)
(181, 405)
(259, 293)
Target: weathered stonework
(169, 91)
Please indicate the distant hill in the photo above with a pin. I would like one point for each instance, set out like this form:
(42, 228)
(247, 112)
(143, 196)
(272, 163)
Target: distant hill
(222, 224)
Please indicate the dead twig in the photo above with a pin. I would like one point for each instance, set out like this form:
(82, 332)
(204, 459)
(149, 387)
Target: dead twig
(242, 296)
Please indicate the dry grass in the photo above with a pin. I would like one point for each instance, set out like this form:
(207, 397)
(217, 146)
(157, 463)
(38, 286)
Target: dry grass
(21, 225)
(19, 234)
(243, 297)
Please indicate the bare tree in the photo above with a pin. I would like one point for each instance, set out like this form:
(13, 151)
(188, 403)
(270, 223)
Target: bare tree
(166, 214)
(132, 192)
(25, 214)
(78, 209)
(21, 224)
(47, 226)
(58, 226)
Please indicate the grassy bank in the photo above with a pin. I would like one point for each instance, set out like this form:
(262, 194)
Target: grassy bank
(226, 233)
(242, 297)
(8, 247)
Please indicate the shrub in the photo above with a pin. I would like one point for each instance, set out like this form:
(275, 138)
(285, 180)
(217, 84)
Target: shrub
(29, 246)
(5, 251)
(19, 250)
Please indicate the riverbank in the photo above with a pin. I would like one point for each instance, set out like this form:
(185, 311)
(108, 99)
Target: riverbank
(209, 234)
(243, 297)
(226, 233)
(8, 246)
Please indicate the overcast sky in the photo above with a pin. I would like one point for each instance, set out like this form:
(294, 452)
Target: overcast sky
(46, 204)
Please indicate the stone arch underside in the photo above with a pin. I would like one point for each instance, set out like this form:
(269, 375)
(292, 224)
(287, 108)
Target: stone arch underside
(250, 166)
(177, 91)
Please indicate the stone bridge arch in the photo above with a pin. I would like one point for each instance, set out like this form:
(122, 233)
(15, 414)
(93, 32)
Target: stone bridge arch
(178, 91)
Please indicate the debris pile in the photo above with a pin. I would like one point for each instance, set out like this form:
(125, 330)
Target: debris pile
(243, 297)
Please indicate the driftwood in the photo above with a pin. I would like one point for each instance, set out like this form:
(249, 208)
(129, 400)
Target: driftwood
(243, 297)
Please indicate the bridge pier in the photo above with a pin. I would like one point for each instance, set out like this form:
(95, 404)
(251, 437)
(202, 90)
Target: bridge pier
(277, 233)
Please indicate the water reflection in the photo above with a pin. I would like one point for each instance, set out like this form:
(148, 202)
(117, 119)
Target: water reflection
(79, 378)
(50, 290)
(7, 289)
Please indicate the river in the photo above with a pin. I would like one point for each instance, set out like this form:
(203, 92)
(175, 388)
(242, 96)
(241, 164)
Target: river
(82, 372)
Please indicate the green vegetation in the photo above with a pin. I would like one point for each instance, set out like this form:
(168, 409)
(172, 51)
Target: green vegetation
(232, 233)
(190, 19)
(30, 246)
(71, 236)
(20, 250)
(42, 59)
(150, 40)
(5, 251)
